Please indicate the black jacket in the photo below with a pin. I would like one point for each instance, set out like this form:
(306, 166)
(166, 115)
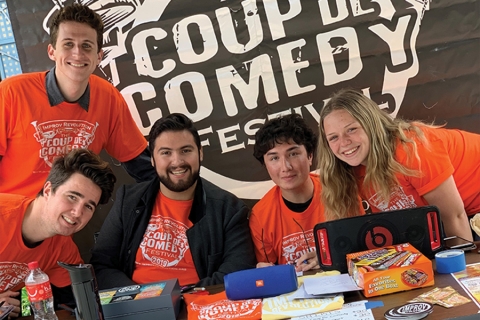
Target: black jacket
(219, 239)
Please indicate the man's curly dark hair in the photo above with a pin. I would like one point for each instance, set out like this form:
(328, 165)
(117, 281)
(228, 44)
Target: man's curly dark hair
(283, 129)
(86, 163)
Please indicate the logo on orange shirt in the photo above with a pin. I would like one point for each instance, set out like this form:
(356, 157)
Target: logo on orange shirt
(294, 245)
(58, 137)
(11, 274)
(226, 309)
(164, 242)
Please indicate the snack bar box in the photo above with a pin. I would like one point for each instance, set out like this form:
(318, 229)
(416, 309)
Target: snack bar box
(157, 300)
(390, 269)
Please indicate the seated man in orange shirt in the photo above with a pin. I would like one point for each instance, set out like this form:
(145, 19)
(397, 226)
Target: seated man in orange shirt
(178, 225)
(282, 221)
(40, 229)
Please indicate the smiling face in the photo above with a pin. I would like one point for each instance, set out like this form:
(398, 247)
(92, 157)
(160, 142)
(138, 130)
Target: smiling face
(71, 206)
(176, 159)
(346, 137)
(288, 165)
(75, 54)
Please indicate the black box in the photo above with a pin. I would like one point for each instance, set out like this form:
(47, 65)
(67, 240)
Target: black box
(156, 300)
(420, 226)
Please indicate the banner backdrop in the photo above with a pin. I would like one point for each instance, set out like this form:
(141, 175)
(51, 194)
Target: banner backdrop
(230, 64)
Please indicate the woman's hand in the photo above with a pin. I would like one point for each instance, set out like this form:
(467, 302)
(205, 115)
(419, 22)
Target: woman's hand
(264, 264)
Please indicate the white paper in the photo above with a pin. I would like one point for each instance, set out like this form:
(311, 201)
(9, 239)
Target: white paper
(355, 310)
(330, 284)
(469, 281)
(302, 294)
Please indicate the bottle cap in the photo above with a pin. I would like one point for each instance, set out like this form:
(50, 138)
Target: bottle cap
(33, 265)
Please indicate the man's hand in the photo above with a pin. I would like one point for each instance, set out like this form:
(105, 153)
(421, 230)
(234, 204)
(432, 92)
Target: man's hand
(8, 297)
(264, 264)
(307, 261)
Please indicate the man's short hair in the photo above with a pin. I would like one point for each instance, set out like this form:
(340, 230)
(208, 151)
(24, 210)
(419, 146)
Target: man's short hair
(283, 129)
(76, 13)
(172, 122)
(86, 163)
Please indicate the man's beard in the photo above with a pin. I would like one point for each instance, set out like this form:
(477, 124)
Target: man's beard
(182, 185)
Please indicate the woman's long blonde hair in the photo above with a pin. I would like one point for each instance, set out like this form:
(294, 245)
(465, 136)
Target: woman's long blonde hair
(340, 189)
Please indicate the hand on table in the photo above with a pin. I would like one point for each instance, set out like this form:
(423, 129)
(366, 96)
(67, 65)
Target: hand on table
(307, 262)
(8, 297)
(264, 264)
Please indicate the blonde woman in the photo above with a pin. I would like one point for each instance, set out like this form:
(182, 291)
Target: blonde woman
(394, 164)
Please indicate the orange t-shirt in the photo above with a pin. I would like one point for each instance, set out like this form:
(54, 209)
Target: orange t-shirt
(164, 252)
(218, 306)
(15, 256)
(449, 152)
(33, 133)
(283, 238)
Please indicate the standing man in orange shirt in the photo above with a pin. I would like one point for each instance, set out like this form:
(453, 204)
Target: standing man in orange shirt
(282, 221)
(47, 114)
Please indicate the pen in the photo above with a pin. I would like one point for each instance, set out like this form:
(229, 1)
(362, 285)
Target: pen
(186, 288)
(199, 289)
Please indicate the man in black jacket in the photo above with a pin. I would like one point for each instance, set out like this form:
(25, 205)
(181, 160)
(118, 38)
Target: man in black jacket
(176, 226)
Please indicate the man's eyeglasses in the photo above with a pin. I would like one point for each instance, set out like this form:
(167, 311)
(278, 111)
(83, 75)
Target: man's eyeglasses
(264, 250)
(304, 235)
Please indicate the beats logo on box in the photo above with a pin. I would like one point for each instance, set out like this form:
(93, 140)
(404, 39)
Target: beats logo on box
(377, 234)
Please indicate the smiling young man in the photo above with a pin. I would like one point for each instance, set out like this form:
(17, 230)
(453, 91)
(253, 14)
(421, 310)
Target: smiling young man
(176, 226)
(47, 114)
(40, 229)
(282, 221)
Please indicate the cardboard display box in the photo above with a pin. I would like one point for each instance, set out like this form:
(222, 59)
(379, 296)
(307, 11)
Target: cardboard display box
(390, 269)
(158, 300)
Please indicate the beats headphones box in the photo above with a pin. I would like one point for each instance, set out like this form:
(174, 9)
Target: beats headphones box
(390, 269)
(421, 227)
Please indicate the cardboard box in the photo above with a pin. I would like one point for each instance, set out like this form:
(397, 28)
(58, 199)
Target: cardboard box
(390, 269)
(158, 300)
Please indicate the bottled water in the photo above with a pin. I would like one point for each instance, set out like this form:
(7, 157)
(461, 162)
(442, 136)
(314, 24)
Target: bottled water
(39, 291)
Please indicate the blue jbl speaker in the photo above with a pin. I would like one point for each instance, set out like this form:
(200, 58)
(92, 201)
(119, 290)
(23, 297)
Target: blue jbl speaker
(261, 282)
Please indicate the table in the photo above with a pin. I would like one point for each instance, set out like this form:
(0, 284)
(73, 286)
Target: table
(396, 299)
(389, 301)
(439, 312)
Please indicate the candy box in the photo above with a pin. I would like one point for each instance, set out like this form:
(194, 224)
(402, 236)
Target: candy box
(390, 269)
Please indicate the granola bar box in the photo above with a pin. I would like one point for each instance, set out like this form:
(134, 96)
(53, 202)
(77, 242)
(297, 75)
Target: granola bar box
(390, 269)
